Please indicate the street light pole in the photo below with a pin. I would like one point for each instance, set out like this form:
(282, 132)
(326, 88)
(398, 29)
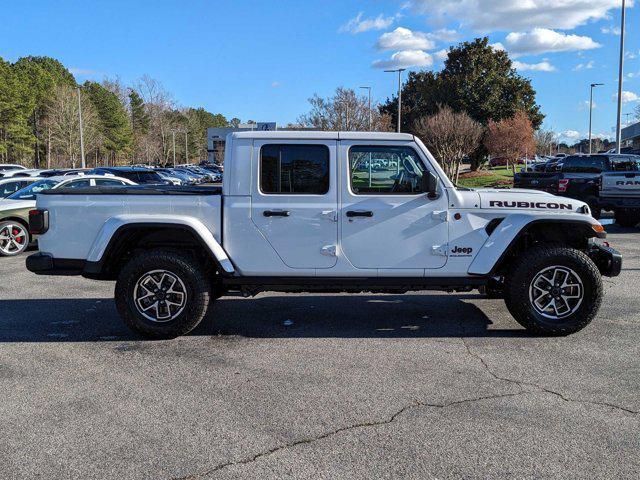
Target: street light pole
(174, 147)
(591, 110)
(370, 121)
(399, 70)
(186, 148)
(82, 161)
(620, 78)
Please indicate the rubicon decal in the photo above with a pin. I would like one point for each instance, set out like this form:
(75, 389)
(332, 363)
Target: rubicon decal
(538, 205)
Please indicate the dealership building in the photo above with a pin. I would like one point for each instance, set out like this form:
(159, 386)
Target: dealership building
(216, 136)
(631, 136)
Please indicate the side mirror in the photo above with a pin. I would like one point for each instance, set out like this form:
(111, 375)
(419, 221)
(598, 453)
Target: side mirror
(430, 184)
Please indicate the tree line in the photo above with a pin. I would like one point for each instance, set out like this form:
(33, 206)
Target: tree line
(476, 106)
(41, 104)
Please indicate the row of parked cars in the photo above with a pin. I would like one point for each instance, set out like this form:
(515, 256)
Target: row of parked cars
(605, 181)
(19, 187)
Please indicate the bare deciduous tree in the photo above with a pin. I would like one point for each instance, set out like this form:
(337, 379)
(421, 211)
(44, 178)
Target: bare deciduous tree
(511, 138)
(450, 136)
(344, 111)
(63, 127)
(545, 141)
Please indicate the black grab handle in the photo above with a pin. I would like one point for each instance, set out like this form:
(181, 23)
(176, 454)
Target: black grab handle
(359, 213)
(276, 213)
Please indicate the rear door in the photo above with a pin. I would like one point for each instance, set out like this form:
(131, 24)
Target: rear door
(294, 200)
(387, 222)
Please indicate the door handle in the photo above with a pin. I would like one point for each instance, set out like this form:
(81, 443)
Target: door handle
(359, 213)
(276, 213)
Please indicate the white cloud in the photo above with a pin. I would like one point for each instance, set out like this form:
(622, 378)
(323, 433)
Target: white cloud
(584, 66)
(499, 47)
(543, 66)
(442, 55)
(405, 59)
(404, 39)
(610, 30)
(444, 35)
(359, 24)
(488, 15)
(628, 97)
(83, 72)
(543, 40)
(571, 134)
(275, 84)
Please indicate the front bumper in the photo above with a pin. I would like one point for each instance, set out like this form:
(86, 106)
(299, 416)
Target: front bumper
(607, 259)
(45, 264)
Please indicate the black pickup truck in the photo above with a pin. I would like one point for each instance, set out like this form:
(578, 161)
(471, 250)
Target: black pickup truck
(579, 177)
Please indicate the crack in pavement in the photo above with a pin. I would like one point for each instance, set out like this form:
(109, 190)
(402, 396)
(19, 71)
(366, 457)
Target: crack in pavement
(303, 441)
(522, 383)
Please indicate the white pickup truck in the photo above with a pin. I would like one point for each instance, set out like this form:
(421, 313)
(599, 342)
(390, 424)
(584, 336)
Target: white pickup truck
(330, 212)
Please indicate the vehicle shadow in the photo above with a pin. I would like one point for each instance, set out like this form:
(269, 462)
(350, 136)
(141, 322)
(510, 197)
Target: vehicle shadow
(272, 316)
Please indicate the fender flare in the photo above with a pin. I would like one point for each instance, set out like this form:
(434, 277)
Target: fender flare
(512, 227)
(115, 225)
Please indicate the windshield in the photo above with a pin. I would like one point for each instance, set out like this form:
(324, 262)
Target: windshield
(30, 192)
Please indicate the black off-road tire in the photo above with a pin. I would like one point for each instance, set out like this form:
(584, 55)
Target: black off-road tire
(627, 218)
(190, 273)
(535, 260)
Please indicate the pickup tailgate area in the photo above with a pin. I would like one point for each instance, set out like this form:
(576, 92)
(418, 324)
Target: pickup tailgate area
(621, 185)
(77, 218)
(546, 181)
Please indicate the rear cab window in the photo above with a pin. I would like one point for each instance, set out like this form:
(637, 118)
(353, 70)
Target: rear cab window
(287, 169)
(585, 164)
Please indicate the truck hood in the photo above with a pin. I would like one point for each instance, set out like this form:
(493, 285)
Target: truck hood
(527, 200)
(6, 205)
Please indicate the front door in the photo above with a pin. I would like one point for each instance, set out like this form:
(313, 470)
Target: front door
(387, 222)
(294, 200)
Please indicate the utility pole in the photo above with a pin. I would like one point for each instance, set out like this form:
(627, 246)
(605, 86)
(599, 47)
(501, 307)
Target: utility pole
(173, 133)
(591, 110)
(370, 121)
(620, 79)
(82, 161)
(399, 70)
(626, 122)
(186, 148)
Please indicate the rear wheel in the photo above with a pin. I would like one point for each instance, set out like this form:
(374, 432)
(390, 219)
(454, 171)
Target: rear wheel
(162, 294)
(627, 218)
(14, 238)
(553, 290)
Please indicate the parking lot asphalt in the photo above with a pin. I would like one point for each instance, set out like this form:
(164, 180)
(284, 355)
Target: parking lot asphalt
(423, 385)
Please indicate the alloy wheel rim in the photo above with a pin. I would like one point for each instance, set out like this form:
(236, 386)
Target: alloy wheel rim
(13, 239)
(556, 292)
(160, 296)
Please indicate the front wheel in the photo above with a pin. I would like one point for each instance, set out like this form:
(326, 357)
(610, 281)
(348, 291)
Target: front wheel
(162, 294)
(553, 290)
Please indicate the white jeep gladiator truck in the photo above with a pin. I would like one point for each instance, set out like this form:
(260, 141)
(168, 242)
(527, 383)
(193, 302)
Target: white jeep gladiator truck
(329, 212)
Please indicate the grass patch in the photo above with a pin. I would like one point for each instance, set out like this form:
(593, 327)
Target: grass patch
(494, 177)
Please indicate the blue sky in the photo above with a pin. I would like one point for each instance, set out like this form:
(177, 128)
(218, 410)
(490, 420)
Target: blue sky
(262, 60)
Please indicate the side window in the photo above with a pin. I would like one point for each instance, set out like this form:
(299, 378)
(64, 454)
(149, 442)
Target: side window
(625, 164)
(107, 182)
(294, 169)
(385, 170)
(77, 184)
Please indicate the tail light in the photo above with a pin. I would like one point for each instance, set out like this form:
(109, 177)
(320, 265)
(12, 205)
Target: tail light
(38, 221)
(563, 184)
